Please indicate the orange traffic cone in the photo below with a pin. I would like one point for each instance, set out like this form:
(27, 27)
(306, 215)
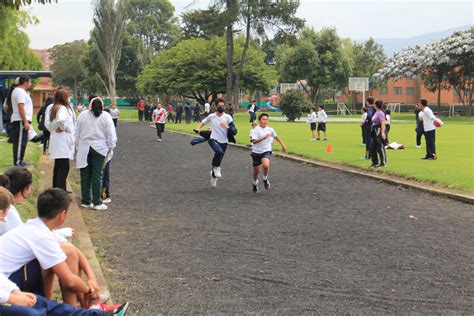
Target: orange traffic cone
(329, 149)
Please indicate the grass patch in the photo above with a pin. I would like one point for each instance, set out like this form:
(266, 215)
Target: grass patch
(454, 142)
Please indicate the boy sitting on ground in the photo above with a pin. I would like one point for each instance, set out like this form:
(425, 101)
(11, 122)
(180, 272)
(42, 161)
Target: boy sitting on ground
(27, 250)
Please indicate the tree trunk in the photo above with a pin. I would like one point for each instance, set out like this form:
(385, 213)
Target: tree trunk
(230, 60)
(243, 57)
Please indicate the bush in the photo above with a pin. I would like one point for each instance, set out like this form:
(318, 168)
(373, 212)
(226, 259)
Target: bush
(293, 103)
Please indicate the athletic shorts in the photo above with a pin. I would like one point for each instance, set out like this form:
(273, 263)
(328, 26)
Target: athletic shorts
(257, 158)
(313, 126)
(322, 127)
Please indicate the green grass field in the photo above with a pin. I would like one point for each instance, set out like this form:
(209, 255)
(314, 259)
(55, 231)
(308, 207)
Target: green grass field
(454, 141)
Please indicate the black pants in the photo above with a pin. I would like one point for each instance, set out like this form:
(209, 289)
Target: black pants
(419, 133)
(60, 172)
(115, 121)
(46, 135)
(387, 130)
(19, 137)
(377, 147)
(160, 128)
(178, 117)
(219, 151)
(430, 138)
(140, 115)
(170, 117)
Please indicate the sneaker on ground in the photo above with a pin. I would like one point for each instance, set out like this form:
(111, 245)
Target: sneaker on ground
(418, 146)
(380, 165)
(213, 180)
(87, 205)
(318, 138)
(106, 307)
(104, 297)
(107, 201)
(217, 172)
(266, 184)
(23, 164)
(159, 139)
(255, 188)
(100, 207)
(325, 138)
(373, 166)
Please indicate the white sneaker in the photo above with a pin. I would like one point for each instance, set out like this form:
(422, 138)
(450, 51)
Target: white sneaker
(87, 205)
(217, 172)
(100, 207)
(213, 180)
(418, 146)
(159, 139)
(107, 201)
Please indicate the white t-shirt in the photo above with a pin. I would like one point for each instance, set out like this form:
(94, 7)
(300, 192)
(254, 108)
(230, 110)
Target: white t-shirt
(34, 240)
(115, 113)
(387, 119)
(12, 220)
(19, 95)
(159, 115)
(6, 287)
(207, 108)
(252, 107)
(363, 118)
(218, 132)
(428, 119)
(266, 144)
(312, 117)
(322, 116)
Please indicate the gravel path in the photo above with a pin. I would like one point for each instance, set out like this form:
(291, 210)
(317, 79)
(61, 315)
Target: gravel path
(319, 242)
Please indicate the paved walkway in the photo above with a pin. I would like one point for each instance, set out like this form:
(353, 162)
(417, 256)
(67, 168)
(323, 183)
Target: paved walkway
(320, 241)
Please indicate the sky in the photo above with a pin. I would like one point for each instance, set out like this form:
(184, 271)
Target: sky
(69, 20)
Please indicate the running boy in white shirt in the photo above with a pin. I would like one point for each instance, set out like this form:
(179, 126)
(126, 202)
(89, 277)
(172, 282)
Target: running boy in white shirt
(159, 118)
(220, 123)
(262, 139)
(322, 118)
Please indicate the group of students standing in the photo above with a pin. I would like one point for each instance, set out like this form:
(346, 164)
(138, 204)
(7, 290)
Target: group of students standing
(89, 139)
(317, 118)
(375, 125)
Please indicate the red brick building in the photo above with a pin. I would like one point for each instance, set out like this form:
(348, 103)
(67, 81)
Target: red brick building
(45, 85)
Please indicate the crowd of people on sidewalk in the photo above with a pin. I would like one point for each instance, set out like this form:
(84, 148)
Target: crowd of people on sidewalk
(33, 253)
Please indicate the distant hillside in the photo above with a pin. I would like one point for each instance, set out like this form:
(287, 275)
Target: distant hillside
(393, 45)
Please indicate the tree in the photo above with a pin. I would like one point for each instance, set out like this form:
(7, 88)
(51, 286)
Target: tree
(15, 53)
(153, 22)
(16, 4)
(196, 68)
(293, 103)
(441, 65)
(368, 58)
(203, 23)
(66, 70)
(130, 66)
(109, 22)
(262, 16)
(318, 59)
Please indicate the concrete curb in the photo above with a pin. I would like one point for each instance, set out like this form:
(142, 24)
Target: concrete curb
(431, 188)
(76, 221)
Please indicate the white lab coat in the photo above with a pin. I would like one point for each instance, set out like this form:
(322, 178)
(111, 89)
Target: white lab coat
(61, 145)
(96, 132)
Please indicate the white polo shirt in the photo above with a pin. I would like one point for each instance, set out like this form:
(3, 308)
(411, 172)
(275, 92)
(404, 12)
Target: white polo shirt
(19, 95)
(218, 132)
(266, 144)
(428, 119)
(12, 220)
(23, 244)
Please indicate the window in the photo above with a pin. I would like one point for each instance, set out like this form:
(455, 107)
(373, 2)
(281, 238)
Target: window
(397, 90)
(410, 91)
(383, 91)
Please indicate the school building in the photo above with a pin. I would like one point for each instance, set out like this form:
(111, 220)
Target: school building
(405, 91)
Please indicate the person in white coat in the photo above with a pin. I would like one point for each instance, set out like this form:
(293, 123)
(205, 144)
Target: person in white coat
(95, 140)
(61, 121)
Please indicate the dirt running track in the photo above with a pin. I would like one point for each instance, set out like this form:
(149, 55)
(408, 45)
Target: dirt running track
(319, 242)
